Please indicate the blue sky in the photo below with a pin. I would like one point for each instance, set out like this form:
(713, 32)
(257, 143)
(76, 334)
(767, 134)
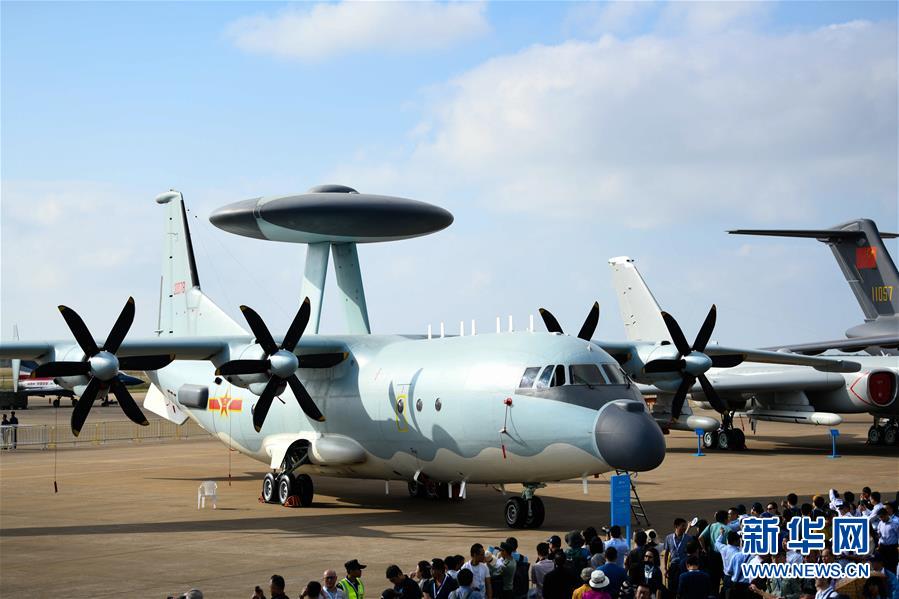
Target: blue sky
(559, 134)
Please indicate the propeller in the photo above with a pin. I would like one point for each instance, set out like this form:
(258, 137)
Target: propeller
(692, 363)
(102, 365)
(587, 329)
(280, 363)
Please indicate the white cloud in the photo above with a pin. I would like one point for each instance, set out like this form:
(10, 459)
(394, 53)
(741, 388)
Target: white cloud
(325, 30)
(659, 129)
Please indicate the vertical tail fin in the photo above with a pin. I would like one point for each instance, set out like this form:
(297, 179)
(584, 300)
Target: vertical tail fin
(866, 265)
(184, 310)
(15, 363)
(640, 311)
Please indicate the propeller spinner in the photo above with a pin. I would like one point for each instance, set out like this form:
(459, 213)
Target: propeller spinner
(692, 363)
(280, 363)
(102, 365)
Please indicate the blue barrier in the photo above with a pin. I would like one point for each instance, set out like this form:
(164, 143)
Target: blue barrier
(699, 434)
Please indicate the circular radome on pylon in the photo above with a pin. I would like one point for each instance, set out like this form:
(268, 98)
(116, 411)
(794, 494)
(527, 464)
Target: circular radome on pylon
(334, 213)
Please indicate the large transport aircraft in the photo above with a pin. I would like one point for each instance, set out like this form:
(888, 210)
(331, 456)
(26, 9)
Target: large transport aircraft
(769, 392)
(439, 413)
(870, 272)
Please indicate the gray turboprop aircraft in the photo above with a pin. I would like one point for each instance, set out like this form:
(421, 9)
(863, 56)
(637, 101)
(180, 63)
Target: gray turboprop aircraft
(777, 393)
(438, 413)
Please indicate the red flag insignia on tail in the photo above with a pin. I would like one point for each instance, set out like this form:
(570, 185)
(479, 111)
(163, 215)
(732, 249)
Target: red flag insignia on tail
(866, 257)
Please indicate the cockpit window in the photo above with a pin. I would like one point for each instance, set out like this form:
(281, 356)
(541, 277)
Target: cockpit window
(559, 376)
(585, 374)
(527, 379)
(545, 376)
(614, 373)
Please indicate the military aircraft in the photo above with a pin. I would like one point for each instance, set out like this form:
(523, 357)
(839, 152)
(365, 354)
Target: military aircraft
(870, 272)
(438, 412)
(771, 392)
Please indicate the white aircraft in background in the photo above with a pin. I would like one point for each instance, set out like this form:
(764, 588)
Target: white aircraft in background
(767, 392)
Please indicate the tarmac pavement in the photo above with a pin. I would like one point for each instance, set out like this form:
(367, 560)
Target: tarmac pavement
(125, 519)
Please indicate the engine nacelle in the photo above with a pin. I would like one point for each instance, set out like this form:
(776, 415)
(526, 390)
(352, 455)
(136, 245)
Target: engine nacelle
(875, 390)
(254, 382)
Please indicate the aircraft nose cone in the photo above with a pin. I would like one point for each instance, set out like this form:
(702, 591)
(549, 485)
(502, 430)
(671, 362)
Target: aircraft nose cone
(628, 438)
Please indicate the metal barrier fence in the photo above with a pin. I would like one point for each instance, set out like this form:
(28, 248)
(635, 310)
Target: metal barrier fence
(45, 436)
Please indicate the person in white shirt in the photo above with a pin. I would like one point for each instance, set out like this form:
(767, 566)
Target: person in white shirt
(479, 570)
(330, 589)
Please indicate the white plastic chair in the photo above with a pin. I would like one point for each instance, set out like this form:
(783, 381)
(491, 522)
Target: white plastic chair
(207, 488)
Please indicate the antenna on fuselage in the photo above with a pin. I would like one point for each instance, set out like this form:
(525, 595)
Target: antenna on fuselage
(332, 220)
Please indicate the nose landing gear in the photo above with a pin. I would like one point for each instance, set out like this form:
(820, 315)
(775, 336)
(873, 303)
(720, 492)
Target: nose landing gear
(527, 510)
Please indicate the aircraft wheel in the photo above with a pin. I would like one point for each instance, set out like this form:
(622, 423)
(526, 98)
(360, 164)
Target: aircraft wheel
(416, 489)
(710, 439)
(268, 488)
(724, 440)
(74, 402)
(56, 403)
(875, 435)
(536, 513)
(738, 439)
(891, 435)
(306, 489)
(516, 513)
(286, 487)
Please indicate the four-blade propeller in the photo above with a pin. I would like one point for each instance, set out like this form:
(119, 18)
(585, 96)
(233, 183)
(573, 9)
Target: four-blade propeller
(280, 363)
(587, 329)
(102, 365)
(692, 363)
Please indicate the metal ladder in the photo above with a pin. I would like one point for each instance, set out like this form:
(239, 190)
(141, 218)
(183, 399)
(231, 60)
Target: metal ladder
(637, 510)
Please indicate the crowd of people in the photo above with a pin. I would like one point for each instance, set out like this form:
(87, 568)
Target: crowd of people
(696, 560)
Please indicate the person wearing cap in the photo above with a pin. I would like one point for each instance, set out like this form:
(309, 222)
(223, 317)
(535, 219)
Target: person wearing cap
(405, 587)
(585, 576)
(192, 594)
(555, 544)
(439, 586)
(352, 585)
(599, 585)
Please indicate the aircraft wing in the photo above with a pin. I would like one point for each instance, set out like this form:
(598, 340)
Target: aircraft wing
(824, 364)
(855, 344)
(180, 348)
(623, 351)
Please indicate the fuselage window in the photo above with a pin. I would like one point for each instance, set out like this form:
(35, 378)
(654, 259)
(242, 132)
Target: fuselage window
(585, 374)
(614, 373)
(527, 379)
(545, 376)
(559, 376)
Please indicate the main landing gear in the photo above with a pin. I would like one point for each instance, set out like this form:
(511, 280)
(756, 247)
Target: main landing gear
(725, 438)
(527, 510)
(884, 434)
(284, 486)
